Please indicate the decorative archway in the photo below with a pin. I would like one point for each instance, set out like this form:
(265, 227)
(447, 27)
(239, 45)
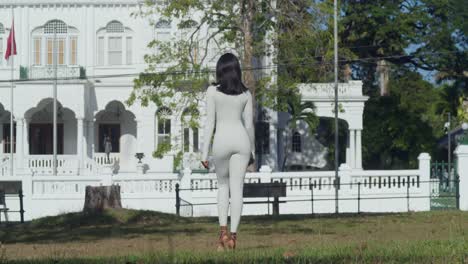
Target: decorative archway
(119, 124)
(351, 107)
(5, 139)
(38, 129)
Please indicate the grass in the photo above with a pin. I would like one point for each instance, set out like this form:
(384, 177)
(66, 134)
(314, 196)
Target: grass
(136, 237)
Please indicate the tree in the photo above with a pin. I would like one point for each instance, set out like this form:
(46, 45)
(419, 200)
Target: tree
(259, 32)
(400, 126)
(299, 111)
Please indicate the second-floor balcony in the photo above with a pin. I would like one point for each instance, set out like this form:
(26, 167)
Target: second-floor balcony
(48, 72)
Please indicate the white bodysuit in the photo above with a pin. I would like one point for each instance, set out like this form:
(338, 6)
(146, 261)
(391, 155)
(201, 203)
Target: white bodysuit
(232, 145)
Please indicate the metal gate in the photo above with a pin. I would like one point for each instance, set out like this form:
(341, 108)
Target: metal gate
(444, 186)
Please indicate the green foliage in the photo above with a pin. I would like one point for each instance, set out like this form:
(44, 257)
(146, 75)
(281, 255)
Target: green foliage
(400, 126)
(23, 73)
(178, 160)
(163, 148)
(82, 72)
(179, 70)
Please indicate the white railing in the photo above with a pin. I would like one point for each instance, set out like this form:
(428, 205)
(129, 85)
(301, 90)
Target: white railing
(43, 164)
(62, 187)
(90, 167)
(144, 184)
(46, 72)
(101, 158)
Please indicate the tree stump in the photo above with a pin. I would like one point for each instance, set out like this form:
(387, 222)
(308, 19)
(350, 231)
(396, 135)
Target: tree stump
(101, 197)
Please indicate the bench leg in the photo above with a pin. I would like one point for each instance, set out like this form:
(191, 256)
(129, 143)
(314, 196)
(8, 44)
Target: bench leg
(276, 206)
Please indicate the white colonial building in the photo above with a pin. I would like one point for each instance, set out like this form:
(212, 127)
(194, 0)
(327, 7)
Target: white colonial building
(100, 51)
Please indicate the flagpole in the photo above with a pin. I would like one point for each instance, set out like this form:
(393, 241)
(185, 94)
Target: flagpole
(55, 102)
(12, 147)
(335, 44)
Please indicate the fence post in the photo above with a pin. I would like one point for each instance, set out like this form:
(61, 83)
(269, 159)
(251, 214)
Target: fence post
(407, 193)
(21, 211)
(177, 203)
(457, 190)
(425, 177)
(462, 169)
(312, 197)
(359, 197)
(276, 206)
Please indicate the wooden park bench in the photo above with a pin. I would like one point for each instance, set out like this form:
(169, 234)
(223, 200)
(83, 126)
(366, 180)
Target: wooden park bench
(3, 208)
(266, 190)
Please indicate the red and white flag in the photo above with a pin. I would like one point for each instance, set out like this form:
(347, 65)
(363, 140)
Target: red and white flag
(11, 42)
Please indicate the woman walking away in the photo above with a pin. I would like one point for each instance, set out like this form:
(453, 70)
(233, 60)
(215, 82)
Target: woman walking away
(228, 102)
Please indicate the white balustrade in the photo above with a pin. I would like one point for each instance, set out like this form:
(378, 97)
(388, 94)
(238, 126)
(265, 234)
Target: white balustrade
(147, 184)
(101, 158)
(43, 164)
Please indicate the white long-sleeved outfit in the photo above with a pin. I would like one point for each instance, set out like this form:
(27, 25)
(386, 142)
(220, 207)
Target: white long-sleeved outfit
(232, 145)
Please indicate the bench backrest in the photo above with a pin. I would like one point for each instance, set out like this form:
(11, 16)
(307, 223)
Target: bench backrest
(273, 189)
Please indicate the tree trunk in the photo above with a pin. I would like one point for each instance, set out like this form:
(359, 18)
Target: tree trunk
(101, 197)
(249, 79)
(382, 69)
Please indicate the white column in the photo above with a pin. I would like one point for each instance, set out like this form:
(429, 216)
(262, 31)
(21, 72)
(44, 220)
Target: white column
(91, 138)
(139, 134)
(273, 146)
(358, 150)
(19, 142)
(424, 177)
(352, 147)
(462, 168)
(85, 139)
(26, 136)
(79, 142)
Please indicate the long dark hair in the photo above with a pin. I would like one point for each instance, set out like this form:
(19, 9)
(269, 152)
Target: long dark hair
(229, 75)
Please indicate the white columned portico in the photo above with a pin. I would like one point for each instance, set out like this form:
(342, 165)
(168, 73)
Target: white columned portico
(79, 141)
(19, 143)
(358, 150)
(352, 148)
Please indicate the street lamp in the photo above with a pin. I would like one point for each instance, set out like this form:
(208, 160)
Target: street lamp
(449, 151)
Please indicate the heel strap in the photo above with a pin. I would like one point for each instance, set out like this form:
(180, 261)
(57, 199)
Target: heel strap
(234, 236)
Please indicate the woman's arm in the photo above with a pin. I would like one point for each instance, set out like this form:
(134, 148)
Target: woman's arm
(210, 121)
(248, 122)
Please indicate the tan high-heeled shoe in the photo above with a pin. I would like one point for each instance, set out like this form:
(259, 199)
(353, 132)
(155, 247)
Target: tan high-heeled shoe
(231, 244)
(223, 239)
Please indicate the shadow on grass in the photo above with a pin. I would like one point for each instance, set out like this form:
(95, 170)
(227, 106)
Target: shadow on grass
(124, 223)
(88, 227)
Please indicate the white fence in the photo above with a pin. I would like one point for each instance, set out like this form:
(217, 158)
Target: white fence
(307, 192)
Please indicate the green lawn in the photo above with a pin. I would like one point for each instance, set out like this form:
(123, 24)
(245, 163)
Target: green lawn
(136, 237)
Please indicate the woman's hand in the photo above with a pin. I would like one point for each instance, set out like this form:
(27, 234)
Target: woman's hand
(205, 164)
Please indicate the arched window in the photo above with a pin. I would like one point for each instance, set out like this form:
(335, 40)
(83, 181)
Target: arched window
(163, 24)
(2, 32)
(163, 117)
(296, 142)
(66, 44)
(188, 24)
(190, 134)
(114, 45)
(162, 32)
